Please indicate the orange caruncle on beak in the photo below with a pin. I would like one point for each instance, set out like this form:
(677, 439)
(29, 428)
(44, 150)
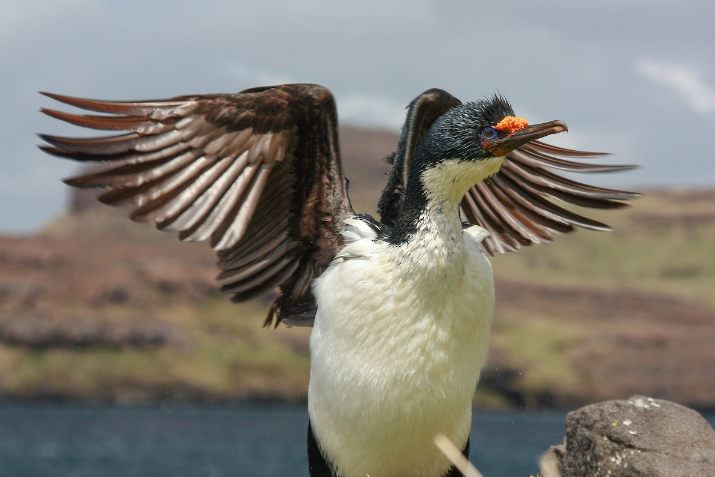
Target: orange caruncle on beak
(511, 124)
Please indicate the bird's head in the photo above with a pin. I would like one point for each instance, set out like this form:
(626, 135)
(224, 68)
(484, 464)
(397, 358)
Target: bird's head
(469, 142)
(482, 130)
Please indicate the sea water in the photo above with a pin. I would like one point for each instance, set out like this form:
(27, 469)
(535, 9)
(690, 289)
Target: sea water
(57, 440)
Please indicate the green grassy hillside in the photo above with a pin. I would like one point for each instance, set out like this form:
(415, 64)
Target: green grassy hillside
(103, 311)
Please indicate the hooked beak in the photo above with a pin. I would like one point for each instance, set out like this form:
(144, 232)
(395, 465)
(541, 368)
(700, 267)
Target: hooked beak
(503, 146)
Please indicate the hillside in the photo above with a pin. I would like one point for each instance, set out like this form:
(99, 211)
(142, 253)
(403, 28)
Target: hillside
(97, 308)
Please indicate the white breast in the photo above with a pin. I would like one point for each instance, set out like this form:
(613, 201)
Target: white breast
(399, 340)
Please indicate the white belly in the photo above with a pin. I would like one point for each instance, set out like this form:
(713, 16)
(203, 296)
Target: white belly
(396, 349)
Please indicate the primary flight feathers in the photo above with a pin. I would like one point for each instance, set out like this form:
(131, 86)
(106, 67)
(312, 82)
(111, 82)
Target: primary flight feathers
(259, 175)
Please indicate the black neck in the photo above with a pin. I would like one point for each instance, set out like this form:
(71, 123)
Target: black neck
(414, 205)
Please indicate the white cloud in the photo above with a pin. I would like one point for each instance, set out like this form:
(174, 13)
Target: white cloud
(370, 110)
(256, 76)
(683, 80)
(360, 109)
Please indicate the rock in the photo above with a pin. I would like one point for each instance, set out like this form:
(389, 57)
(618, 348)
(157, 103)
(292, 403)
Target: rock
(638, 437)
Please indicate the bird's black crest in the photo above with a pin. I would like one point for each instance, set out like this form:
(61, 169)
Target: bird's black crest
(491, 110)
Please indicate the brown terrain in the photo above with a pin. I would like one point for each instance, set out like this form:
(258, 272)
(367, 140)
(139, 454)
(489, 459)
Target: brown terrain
(96, 308)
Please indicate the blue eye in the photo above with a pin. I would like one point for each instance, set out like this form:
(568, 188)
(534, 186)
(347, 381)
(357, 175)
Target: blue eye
(489, 134)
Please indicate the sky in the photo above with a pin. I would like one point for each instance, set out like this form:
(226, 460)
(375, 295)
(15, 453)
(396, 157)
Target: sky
(634, 78)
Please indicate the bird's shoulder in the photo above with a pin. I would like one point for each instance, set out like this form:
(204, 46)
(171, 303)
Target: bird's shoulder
(363, 226)
(362, 236)
(475, 233)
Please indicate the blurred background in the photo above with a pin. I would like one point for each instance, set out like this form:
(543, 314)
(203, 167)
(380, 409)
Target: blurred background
(110, 330)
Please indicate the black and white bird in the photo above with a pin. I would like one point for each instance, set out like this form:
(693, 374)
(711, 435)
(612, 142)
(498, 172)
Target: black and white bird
(401, 307)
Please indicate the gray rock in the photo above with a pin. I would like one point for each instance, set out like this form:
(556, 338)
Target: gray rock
(638, 437)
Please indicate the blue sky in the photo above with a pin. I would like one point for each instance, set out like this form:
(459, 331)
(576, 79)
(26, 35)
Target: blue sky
(633, 78)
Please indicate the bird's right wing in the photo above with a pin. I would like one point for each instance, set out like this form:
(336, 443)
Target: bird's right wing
(257, 174)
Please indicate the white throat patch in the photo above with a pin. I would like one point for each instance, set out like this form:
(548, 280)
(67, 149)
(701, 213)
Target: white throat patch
(452, 179)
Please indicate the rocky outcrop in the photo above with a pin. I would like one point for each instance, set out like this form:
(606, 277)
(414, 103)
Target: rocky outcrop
(637, 437)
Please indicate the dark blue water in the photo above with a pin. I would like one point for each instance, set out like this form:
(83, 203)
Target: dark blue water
(41, 440)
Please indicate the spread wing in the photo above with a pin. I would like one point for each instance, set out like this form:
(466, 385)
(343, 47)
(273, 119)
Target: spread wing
(258, 174)
(515, 205)
(421, 113)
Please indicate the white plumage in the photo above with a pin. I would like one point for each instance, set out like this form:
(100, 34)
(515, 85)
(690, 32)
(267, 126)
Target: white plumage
(400, 338)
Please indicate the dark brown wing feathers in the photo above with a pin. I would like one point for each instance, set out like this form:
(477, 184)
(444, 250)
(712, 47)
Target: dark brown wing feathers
(224, 168)
(516, 205)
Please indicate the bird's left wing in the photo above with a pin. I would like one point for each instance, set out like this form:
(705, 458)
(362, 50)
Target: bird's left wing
(421, 113)
(258, 174)
(516, 205)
